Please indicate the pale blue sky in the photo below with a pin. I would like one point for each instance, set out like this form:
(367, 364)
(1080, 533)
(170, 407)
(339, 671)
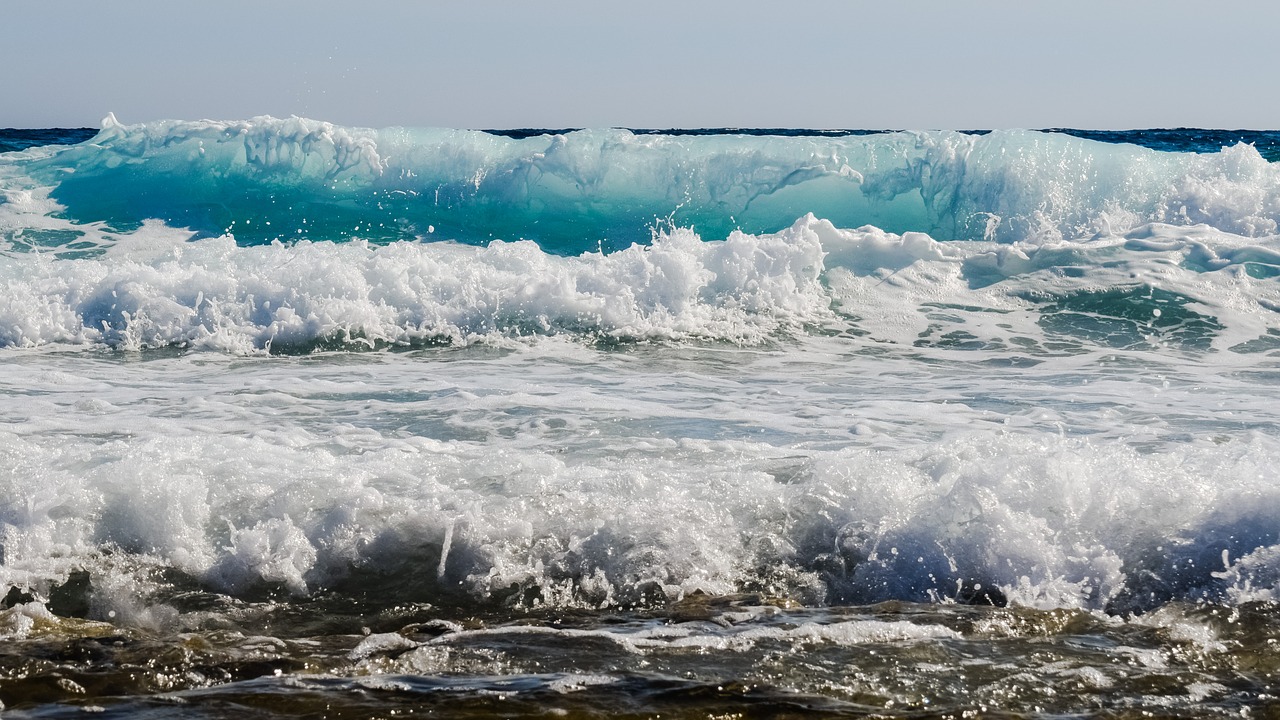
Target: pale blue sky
(570, 63)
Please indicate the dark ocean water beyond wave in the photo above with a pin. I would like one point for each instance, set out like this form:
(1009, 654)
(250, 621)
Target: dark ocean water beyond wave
(1164, 139)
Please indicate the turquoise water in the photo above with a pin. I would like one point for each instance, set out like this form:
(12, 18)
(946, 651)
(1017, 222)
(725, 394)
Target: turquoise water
(590, 190)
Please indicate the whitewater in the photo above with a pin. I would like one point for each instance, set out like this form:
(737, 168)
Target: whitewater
(310, 419)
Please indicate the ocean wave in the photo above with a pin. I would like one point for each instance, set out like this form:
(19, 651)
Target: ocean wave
(268, 179)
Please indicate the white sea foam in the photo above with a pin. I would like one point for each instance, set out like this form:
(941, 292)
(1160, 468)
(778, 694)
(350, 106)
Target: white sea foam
(158, 290)
(1050, 521)
(213, 295)
(698, 636)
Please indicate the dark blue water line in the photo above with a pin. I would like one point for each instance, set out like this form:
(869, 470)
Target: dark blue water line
(1200, 140)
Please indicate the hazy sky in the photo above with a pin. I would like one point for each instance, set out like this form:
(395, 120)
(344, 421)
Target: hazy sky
(571, 63)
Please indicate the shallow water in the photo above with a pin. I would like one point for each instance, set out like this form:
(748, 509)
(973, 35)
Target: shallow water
(702, 656)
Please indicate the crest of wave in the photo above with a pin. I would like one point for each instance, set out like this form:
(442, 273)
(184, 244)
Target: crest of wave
(157, 290)
(1007, 186)
(1046, 520)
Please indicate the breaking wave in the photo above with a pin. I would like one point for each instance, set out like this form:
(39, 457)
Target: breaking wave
(267, 179)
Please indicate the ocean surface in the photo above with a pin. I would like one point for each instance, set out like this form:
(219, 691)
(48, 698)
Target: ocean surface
(301, 420)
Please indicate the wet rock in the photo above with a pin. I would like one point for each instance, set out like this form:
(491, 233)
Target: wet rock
(973, 593)
(16, 596)
(71, 598)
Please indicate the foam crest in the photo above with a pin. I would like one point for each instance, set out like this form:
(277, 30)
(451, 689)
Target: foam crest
(305, 149)
(1158, 288)
(1024, 185)
(1033, 519)
(214, 295)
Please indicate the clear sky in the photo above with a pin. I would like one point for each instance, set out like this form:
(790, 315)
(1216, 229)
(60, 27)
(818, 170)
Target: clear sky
(659, 63)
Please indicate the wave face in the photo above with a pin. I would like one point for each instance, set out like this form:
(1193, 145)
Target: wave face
(265, 179)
